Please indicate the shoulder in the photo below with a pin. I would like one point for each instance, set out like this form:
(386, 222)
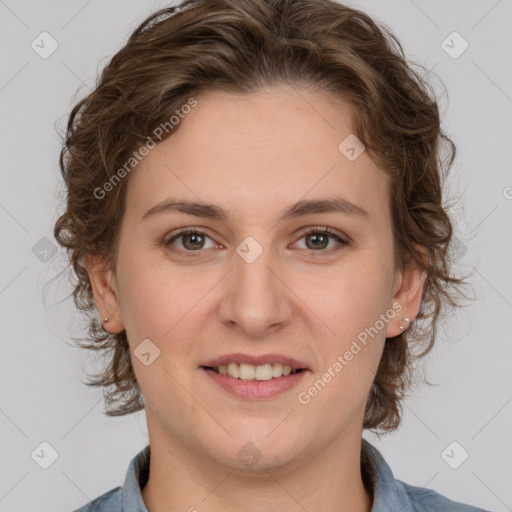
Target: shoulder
(427, 500)
(110, 501)
(391, 494)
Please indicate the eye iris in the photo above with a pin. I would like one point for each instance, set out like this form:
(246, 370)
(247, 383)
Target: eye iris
(195, 237)
(323, 237)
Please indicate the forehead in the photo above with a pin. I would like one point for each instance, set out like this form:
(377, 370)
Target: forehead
(254, 151)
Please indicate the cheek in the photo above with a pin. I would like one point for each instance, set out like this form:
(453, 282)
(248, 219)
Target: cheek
(352, 306)
(351, 298)
(351, 350)
(156, 299)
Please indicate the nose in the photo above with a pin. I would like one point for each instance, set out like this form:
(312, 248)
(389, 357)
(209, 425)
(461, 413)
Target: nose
(256, 299)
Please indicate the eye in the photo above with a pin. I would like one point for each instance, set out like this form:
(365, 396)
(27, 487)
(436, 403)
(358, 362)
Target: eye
(192, 240)
(317, 239)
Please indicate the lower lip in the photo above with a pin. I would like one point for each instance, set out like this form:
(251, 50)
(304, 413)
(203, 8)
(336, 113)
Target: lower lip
(255, 389)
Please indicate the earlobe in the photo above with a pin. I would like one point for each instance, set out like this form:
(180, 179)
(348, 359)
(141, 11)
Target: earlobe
(105, 293)
(409, 293)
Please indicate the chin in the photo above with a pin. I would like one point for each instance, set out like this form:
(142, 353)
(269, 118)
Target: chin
(249, 458)
(258, 448)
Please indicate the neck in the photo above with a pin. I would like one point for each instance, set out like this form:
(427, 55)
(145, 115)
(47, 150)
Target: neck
(183, 479)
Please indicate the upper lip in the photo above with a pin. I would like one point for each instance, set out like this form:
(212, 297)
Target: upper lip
(255, 360)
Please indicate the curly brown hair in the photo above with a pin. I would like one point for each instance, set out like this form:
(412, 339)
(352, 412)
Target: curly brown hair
(241, 46)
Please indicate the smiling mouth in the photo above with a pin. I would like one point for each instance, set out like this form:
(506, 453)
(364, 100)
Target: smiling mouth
(262, 372)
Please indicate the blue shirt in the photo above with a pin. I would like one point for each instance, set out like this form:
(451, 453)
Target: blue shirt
(389, 495)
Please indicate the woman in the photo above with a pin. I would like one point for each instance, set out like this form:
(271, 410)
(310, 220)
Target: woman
(255, 211)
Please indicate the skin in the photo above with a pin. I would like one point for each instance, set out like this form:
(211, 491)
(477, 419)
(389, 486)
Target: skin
(255, 155)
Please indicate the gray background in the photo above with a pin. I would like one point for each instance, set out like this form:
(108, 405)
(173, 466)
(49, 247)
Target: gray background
(42, 397)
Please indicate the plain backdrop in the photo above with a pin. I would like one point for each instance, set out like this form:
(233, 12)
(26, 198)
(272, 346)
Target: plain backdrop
(43, 399)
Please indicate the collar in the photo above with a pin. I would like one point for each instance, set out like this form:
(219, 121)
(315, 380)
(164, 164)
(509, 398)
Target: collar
(388, 493)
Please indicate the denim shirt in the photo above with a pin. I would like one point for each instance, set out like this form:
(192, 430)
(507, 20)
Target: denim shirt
(389, 495)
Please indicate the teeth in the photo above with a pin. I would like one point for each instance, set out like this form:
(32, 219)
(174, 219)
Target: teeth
(233, 370)
(264, 372)
(246, 371)
(249, 372)
(277, 370)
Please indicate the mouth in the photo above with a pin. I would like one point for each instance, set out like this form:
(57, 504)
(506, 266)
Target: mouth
(254, 378)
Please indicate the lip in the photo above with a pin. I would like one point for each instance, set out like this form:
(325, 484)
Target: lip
(255, 390)
(256, 360)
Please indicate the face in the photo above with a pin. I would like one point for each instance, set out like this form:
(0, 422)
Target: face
(254, 283)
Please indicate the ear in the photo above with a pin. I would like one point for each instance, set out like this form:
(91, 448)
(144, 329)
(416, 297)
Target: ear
(105, 293)
(408, 291)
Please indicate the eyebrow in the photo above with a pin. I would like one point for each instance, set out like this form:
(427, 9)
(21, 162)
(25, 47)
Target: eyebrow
(299, 209)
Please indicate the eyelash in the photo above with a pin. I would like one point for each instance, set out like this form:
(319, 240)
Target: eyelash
(313, 230)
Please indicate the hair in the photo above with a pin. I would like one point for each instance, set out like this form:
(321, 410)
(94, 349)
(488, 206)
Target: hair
(242, 46)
